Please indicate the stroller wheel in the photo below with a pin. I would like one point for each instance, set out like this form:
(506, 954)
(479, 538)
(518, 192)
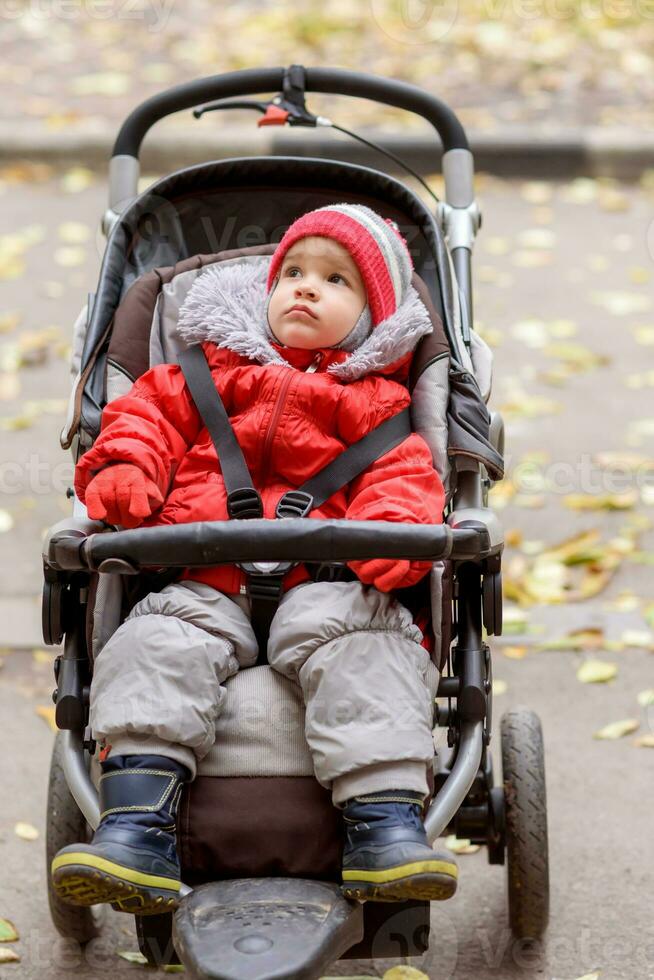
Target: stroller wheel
(65, 825)
(526, 822)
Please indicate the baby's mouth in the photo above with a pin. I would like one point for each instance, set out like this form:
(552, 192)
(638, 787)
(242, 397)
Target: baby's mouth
(302, 309)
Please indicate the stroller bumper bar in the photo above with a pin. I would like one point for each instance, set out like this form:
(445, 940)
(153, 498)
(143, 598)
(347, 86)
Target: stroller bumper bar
(81, 545)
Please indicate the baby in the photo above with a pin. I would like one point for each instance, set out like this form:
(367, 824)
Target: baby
(306, 361)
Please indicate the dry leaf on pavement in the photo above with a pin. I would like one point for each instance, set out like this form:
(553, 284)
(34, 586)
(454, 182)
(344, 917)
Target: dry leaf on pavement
(589, 638)
(47, 712)
(25, 831)
(617, 729)
(404, 973)
(643, 639)
(8, 933)
(460, 845)
(596, 671)
(132, 957)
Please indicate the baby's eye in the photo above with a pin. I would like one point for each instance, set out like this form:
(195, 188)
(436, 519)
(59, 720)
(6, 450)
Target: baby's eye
(336, 275)
(292, 269)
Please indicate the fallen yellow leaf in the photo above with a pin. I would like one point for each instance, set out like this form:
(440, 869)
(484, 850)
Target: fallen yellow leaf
(621, 303)
(514, 620)
(644, 742)
(132, 957)
(604, 501)
(596, 671)
(25, 831)
(404, 973)
(639, 274)
(47, 712)
(642, 639)
(536, 192)
(590, 638)
(74, 232)
(617, 729)
(513, 538)
(77, 179)
(581, 190)
(460, 845)
(514, 652)
(9, 956)
(8, 933)
(69, 256)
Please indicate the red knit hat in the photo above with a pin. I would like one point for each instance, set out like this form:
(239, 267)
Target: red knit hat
(375, 244)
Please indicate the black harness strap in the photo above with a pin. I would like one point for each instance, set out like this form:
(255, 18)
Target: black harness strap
(244, 500)
(358, 457)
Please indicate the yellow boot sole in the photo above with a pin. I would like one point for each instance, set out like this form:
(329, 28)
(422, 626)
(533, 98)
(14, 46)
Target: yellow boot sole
(432, 880)
(80, 878)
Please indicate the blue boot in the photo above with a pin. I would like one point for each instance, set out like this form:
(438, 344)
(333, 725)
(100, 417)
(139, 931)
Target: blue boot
(387, 857)
(132, 860)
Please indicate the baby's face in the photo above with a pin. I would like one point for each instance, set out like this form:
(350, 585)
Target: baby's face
(322, 276)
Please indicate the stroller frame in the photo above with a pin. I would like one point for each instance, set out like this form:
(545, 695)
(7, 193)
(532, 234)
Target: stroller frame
(466, 800)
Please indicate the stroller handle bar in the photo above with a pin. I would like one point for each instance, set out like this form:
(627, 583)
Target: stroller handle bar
(254, 81)
(457, 161)
(87, 545)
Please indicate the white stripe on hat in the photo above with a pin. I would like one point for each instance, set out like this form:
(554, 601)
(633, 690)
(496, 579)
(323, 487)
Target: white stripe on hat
(380, 232)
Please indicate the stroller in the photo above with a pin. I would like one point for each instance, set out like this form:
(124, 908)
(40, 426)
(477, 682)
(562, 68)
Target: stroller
(260, 894)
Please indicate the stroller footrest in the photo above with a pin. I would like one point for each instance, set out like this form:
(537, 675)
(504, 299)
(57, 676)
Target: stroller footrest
(265, 928)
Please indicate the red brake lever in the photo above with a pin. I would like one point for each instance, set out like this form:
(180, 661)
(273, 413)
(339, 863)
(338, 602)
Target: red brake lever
(273, 116)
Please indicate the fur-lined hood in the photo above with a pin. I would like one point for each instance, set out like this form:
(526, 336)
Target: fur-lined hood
(227, 305)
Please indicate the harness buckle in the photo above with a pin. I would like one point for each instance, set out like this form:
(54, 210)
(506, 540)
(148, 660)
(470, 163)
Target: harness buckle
(294, 503)
(244, 503)
(265, 586)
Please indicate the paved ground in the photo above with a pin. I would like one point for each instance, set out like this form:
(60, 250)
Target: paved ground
(551, 261)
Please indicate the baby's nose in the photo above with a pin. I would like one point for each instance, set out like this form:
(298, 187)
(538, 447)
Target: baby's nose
(306, 289)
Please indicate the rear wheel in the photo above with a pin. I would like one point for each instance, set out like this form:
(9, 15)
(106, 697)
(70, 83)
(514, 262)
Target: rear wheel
(523, 767)
(66, 824)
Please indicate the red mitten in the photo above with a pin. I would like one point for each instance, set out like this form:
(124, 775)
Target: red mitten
(387, 574)
(122, 494)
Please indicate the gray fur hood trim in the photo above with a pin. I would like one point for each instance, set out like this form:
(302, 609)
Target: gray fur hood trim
(227, 304)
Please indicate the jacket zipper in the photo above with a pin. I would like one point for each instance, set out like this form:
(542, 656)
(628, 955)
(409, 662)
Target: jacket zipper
(314, 364)
(281, 399)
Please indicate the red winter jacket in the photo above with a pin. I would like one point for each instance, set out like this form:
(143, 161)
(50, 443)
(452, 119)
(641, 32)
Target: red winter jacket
(289, 422)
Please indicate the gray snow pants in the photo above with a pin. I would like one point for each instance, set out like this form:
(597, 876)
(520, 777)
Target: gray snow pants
(367, 683)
